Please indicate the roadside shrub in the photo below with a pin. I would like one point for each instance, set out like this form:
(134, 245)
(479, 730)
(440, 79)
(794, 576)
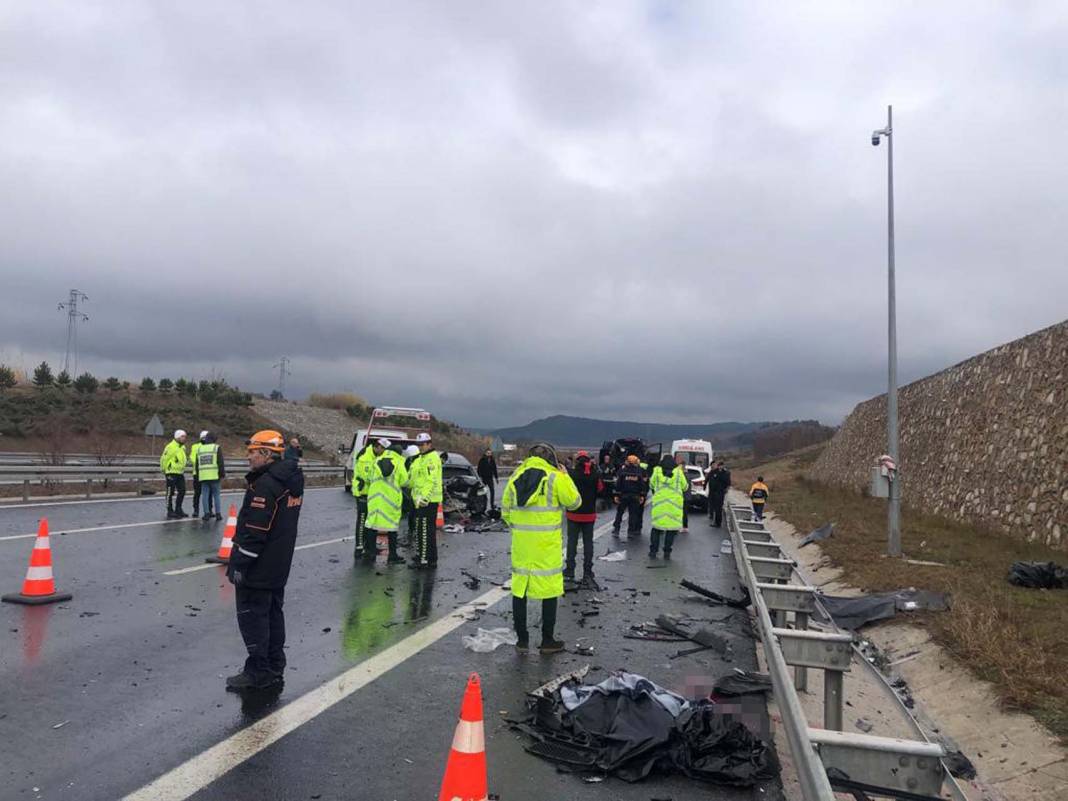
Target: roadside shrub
(63, 380)
(42, 376)
(7, 377)
(148, 385)
(86, 384)
(112, 384)
(336, 400)
(165, 385)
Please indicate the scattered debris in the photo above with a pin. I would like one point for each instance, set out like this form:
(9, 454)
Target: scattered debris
(326, 629)
(627, 725)
(453, 528)
(473, 582)
(821, 533)
(1038, 575)
(613, 556)
(853, 613)
(61, 725)
(741, 682)
(864, 725)
(650, 631)
(546, 690)
(742, 603)
(487, 640)
(959, 765)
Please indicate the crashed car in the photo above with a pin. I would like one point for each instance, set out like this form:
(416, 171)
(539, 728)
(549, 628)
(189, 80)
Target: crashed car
(463, 490)
(697, 494)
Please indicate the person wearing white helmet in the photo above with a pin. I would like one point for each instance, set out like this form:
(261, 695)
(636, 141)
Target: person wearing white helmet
(194, 449)
(172, 464)
(407, 509)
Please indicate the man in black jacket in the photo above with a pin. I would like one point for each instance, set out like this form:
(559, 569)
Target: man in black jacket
(632, 485)
(580, 521)
(718, 482)
(487, 471)
(262, 554)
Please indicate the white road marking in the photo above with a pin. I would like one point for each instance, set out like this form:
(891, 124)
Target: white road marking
(197, 773)
(64, 531)
(194, 568)
(146, 499)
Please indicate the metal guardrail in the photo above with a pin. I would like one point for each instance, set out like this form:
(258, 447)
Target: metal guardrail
(26, 475)
(782, 612)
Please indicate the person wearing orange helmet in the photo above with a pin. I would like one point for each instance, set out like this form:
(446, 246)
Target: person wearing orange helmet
(262, 555)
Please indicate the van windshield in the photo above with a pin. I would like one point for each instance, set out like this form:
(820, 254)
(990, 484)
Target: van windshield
(694, 458)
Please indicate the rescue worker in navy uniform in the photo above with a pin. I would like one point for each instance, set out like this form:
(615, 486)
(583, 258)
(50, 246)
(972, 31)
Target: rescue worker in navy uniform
(262, 555)
(718, 482)
(632, 484)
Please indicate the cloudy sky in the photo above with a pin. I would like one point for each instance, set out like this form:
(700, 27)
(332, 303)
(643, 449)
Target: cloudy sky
(662, 211)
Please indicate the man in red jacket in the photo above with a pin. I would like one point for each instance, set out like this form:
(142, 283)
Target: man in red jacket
(580, 522)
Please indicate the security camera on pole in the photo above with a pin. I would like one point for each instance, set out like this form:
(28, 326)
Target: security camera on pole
(893, 538)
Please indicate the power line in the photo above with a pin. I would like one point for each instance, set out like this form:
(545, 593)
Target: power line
(74, 316)
(283, 371)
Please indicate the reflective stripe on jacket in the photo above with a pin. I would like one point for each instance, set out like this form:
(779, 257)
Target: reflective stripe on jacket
(425, 479)
(668, 498)
(206, 462)
(172, 462)
(194, 449)
(361, 472)
(758, 492)
(533, 506)
(384, 496)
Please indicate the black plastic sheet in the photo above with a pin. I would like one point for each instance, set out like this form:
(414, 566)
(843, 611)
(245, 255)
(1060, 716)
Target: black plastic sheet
(853, 613)
(1038, 575)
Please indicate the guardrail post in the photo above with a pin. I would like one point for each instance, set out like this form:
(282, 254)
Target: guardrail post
(801, 672)
(88, 488)
(832, 699)
(25, 489)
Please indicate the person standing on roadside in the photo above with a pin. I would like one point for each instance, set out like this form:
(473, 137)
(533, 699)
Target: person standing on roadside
(580, 521)
(361, 483)
(680, 465)
(293, 450)
(194, 449)
(172, 463)
(537, 492)
(212, 469)
(758, 494)
(411, 453)
(262, 555)
(718, 482)
(668, 487)
(384, 501)
(487, 471)
(632, 484)
(427, 495)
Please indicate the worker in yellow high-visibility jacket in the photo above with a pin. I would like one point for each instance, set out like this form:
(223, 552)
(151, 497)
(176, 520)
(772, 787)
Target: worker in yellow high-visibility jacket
(668, 486)
(533, 505)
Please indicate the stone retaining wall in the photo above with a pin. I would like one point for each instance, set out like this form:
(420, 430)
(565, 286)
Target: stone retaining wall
(984, 441)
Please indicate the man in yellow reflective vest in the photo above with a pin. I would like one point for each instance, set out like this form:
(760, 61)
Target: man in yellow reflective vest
(211, 469)
(425, 484)
(172, 463)
(384, 500)
(361, 483)
(535, 500)
(668, 486)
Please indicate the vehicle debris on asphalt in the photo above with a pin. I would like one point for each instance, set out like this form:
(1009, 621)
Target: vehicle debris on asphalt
(1038, 575)
(737, 603)
(741, 682)
(486, 640)
(613, 556)
(629, 727)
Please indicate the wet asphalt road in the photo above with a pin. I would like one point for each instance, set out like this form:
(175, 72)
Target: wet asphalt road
(104, 693)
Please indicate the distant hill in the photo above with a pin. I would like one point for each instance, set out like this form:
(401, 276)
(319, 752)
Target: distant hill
(564, 430)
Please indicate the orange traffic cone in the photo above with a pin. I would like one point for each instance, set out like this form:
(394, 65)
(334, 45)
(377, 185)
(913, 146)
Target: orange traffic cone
(440, 522)
(465, 773)
(39, 586)
(227, 544)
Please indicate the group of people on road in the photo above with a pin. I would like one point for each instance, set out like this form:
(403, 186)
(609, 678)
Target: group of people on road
(207, 466)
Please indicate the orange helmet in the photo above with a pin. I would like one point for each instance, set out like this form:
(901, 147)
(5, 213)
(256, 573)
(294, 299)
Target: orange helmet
(267, 439)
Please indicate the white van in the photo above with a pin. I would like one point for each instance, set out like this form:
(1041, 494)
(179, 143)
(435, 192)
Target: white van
(698, 452)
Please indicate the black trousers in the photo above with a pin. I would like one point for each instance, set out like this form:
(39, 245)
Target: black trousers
(361, 519)
(491, 485)
(370, 543)
(426, 535)
(654, 541)
(548, 618)
(715, 508)
(175, 492)
(263, 628)
(574, 531)
(632, 505)
(758, 511)
(196, 496)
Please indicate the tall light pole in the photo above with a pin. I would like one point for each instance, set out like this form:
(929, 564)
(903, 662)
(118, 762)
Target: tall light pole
(893, 516)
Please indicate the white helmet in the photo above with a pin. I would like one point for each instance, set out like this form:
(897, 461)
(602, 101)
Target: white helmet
(179, 433)
(411, 450)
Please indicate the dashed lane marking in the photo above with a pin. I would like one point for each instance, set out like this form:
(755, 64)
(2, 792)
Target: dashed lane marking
(64, 531)
(208, 565)
(197, 773)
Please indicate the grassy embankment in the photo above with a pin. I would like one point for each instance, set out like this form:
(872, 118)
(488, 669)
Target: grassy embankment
(1015, 638)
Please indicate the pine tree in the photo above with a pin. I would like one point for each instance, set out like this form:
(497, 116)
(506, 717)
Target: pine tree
(42, 376)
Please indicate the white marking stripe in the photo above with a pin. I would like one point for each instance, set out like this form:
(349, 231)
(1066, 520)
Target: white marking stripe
(208, 566)
(194, 775)
(38, 573)
(97, 528)
(470, 738)
(150, 499)
(41, 544)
